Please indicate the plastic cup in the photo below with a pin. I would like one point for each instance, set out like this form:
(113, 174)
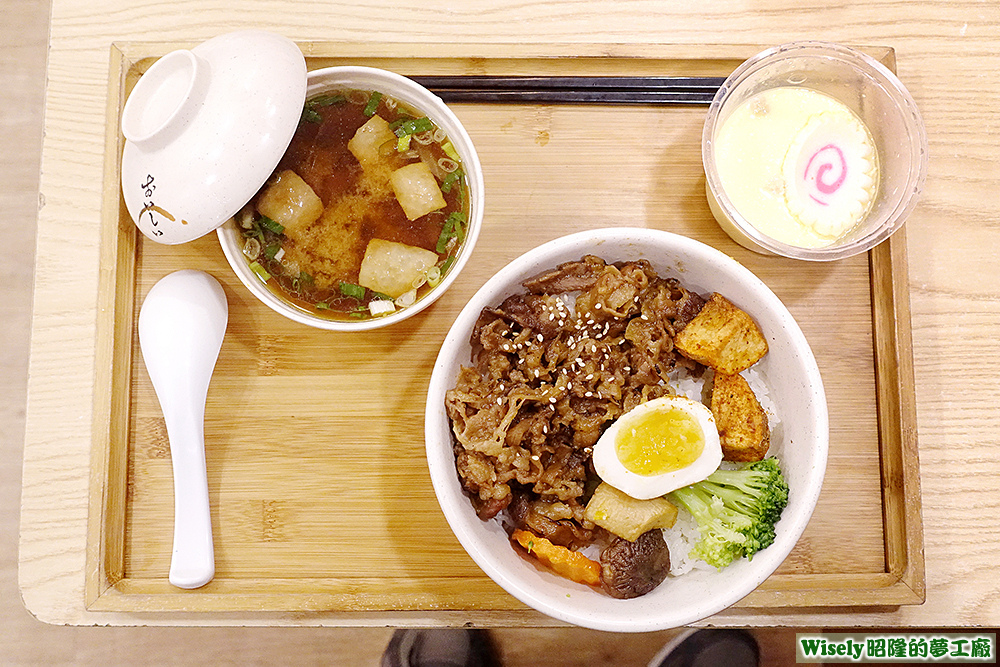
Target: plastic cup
(867, 88)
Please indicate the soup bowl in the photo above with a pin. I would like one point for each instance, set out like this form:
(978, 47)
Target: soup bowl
(788, 370)
(328, 81)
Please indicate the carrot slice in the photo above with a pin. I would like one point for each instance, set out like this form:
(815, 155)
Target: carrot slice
(565, 562)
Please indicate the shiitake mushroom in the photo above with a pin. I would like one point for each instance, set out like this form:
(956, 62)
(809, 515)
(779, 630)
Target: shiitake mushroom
(631, 569)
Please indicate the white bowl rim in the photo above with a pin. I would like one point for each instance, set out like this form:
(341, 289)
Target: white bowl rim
(449, 493)
(437, 109)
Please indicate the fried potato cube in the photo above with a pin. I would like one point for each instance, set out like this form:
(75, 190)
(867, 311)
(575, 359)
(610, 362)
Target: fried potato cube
(723, 337)
(565, 562)
(369, 138)
(417, 190)
(626, 517)
(290, 201)
(394, 268)
(742, 422)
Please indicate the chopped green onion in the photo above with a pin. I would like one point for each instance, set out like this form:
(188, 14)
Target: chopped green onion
(350, 289)
(399, 121)
(325, 101)
(453, 228)
(311, 116)
(305, 277)
(372, 105)
(271, 225)
(403, 144)
(260, 271)
(272, 250)
(450, 180)
(413, 126)
(450, 151)
(434, 276)
(447, 264)
(322, 305)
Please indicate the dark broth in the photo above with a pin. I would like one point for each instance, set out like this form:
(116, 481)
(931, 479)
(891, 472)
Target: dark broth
(317, 270)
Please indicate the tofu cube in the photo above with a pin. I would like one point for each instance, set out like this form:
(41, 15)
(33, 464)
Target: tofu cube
(392, 268)
(626, 517)
(723, 337)
(417, 190)
(367, 141)
(289, 201)
(741, 421)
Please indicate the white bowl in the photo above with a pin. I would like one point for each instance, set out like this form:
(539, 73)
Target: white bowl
(421, 99)
(789, 369)
(205, 128)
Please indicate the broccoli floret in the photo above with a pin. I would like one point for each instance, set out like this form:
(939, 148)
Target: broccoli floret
(736, 510)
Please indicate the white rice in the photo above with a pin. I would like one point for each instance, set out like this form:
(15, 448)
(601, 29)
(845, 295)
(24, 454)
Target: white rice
(684, 534)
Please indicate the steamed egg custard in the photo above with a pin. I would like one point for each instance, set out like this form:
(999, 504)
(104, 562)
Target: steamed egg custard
(659, 446)
(799, 165)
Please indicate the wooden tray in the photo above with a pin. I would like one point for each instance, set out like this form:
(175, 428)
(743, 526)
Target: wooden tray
(321, 500)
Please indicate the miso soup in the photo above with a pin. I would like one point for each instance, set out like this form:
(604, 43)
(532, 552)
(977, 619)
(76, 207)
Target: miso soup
(366, 211)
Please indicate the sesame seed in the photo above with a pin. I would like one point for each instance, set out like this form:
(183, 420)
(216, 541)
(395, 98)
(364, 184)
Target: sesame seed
(597, 306)
(552, 400)
(589, 394)
(499, 400)
(590, 376)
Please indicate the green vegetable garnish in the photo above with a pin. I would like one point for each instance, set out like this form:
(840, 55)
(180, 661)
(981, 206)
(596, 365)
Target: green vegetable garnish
(454, 227)
(271, 225)
(272, 250)
(311, 116)
(402, 118)
(413, 126)
(322, 305)
(451, 179)
(450, 151)
(260, 271)
(372, 105)
(325, 101)
(403, 144)
(350, 289)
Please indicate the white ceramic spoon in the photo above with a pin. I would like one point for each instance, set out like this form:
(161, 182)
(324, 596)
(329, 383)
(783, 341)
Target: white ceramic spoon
(181, 326)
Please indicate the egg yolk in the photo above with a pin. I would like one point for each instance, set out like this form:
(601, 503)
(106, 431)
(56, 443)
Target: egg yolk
(660, 442)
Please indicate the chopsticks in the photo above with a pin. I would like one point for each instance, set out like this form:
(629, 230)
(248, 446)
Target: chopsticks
(573, 89)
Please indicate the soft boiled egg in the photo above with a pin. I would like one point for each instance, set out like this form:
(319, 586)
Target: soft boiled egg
(659, 446)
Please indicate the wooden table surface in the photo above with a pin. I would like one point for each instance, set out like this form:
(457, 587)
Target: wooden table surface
(947, 54)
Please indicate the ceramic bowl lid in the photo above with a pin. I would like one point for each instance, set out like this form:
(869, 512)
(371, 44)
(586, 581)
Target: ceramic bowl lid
(204, 130)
